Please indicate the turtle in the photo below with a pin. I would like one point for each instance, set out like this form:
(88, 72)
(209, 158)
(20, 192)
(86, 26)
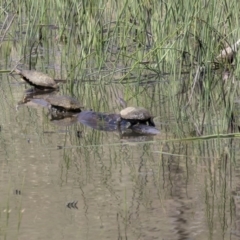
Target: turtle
(137, 115)
(134, 115)
(38, 80)
(64, 104)
(228, 54)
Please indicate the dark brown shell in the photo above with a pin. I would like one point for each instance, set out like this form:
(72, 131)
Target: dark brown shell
(37, 79)
(135, 113)
(66, 102)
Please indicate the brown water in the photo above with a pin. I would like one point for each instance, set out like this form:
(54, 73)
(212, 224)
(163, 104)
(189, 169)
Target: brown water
(100, 186)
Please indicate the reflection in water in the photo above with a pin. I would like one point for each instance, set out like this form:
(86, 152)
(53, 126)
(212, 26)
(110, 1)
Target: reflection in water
(180, 205)
(64, 121)
(36, 98)
(145, 129)
(85, 183)
(138, 190)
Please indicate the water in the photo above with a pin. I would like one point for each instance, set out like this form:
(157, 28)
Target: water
(124, 188)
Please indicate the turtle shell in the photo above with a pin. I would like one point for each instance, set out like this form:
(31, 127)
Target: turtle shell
(135, 113)
(64, 102)
(37, 79)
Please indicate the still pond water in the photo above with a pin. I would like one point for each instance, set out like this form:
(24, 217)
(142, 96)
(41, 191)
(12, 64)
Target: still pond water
(59, 184)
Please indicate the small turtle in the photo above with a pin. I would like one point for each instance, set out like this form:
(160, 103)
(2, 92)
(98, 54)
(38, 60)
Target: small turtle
(39, 80)
(137, 115)
(64, 103)
(228, 54)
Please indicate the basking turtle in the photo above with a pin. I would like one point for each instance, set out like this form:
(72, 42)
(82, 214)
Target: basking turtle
(137, 115)
(228, 54)
(37, 79)
(64, 104)
(134, 115)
